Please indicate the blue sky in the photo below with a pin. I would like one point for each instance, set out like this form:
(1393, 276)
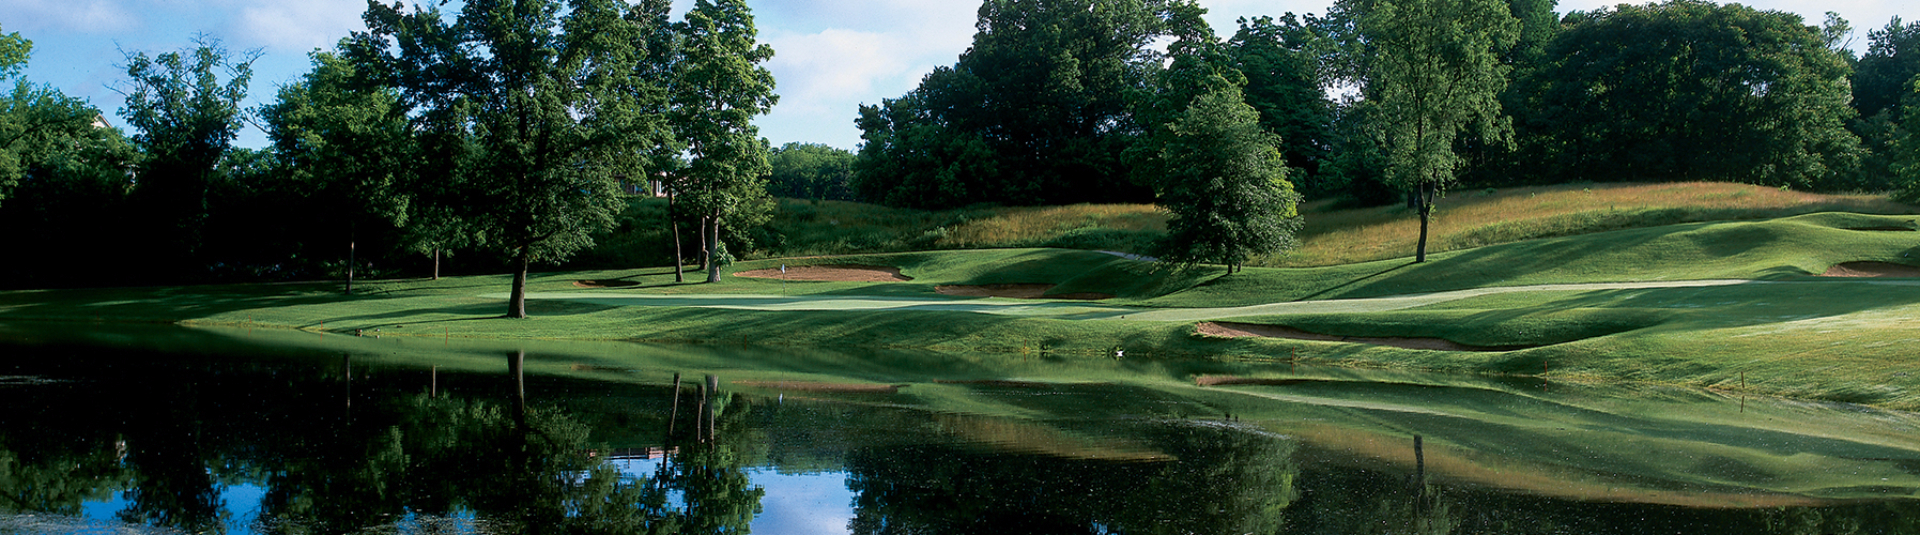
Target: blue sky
(830, 55)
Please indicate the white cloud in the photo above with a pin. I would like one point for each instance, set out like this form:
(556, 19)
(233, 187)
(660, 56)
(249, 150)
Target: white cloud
(831, 56)
(834, 65)
(87, 16)
(299, 26)
(908, 17)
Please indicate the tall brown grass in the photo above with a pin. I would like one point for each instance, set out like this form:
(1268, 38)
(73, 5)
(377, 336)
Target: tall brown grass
(1467, 219)
(1462, 219)
(1013, 227)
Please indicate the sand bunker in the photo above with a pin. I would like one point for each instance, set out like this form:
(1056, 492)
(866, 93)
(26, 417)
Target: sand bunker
(604, 283)
(1871, 269)
(840, 273)
(1016, 291)
(1227, 329)
(808, 386)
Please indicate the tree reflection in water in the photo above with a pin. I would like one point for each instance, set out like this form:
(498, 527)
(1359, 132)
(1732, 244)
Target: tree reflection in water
(391, 459)
(1223, 481)
(170, 435)
(521, 467)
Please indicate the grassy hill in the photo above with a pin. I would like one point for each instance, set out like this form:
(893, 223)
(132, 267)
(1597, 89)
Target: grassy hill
(1787, 332)
(1332, 235)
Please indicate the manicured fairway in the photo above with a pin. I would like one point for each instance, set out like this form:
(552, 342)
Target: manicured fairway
(1083, 311)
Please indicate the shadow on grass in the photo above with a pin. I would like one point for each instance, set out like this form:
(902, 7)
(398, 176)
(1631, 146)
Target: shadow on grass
(1334, 289)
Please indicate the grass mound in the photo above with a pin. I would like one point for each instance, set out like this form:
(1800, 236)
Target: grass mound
(1464, 220)
(1772, 249)
(1469, 219)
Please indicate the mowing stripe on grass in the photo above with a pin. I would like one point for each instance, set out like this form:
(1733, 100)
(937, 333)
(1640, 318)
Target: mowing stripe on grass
(1083, 311)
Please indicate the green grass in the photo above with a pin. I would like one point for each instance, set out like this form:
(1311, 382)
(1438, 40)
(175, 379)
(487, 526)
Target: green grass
(1468, 219)
(1798, 336)
(1464, 219)
(1771, 249)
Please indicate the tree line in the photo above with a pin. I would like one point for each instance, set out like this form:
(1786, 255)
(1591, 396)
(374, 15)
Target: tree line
(513, 128)
(512, 131)
(1378, 101)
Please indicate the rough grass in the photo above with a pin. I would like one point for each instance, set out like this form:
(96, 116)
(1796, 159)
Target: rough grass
(1468, 219)
(1788, 247)
(1464, 220)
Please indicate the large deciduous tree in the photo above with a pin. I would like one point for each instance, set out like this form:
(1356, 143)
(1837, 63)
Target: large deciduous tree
(719, 87)
(1904, 149)
(186, 121)
(63, 178)
(1218, 173)
(347, 147)
(37, 123)
(536, 107)
(1892, 59)
(15, 122)
(1225, 186)
(1038, 111)
(1690, 90)
(1879, 83)
(1430, 70)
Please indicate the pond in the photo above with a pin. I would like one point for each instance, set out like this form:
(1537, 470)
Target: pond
(162, 429)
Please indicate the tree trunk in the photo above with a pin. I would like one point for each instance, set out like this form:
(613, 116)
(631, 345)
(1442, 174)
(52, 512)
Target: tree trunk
(706, 246)
(436, 263)
(1426, 211)
(712, 232)
(713, 389)
(675, 415)
(673, 220)
(517, 304)
(350, 251)
(517, 367)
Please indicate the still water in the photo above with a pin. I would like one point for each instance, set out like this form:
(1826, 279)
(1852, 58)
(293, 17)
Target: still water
(176, 430)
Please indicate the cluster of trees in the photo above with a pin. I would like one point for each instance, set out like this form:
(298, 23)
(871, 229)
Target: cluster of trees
(514, 127)
(1063, 101)
(811, 171)
(510, 126)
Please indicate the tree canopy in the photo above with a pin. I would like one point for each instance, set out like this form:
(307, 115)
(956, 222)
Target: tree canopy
(1226, 185)
(1892, 60)
(186, 121)
(811, 171)
(1218, 173)
(545, 100)
(1690, 90)
(348, 151)
(1038, 111)
(1281, 59)
(1430, 70)
(719, 88)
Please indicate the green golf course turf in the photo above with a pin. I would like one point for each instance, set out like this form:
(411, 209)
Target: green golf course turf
(1729, 305)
